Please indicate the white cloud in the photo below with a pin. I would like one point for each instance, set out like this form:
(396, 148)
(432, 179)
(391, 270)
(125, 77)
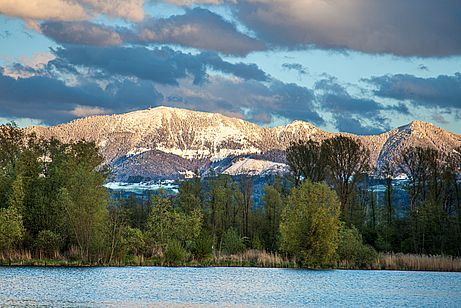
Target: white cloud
(71, 10)
(85, 111)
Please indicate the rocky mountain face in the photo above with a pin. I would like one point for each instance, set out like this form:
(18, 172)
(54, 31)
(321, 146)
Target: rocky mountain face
(170, 143)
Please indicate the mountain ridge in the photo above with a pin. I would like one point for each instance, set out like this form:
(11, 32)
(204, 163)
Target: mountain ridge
(166, 142)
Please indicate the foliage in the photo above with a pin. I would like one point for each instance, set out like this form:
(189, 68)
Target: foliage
(175, 252)
(352, 250)
(273, 206)
(133, 241)
(166, 224)
(310, 222)
(203, 247)
(48, 242)
(11, 228)
(232, 242)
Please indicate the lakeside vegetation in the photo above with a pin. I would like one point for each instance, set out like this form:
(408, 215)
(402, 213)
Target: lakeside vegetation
(55, 211)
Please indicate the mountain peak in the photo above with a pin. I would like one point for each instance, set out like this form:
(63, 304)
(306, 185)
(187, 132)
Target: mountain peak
(165, 142)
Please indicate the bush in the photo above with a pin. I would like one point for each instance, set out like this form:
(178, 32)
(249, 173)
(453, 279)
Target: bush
(232, 243)
(48, 242)
(352, 250)
(203, 247)
(133, 241)
(174, 252)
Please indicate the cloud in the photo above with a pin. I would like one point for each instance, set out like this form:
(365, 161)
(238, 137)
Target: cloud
(256, 101)
(349, 112)
(85, 111)
(198, 28)
(296, 67)
(128, 9)
(354, 126)
(423, 28)
(161, 65)
(442, 91)
(194, 2)
(44, 9)
(53, 101)
(82, 32)
(71, 10)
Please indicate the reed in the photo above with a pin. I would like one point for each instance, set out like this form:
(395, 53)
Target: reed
(413, 262)
(252, 257)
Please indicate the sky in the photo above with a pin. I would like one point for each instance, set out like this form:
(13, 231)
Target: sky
(358, 66)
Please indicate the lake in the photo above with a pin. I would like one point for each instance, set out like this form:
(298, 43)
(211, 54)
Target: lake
(139, 286)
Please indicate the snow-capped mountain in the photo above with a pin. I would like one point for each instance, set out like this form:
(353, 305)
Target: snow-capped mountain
(168, 143)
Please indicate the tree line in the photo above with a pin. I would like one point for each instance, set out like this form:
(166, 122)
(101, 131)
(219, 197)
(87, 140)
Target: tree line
(431, 223)
(53, 205)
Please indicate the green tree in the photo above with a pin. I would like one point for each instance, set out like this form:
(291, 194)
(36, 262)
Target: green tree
(310, 223)
(85, 199)
(273, 206)
(166, 224)
(11, 229)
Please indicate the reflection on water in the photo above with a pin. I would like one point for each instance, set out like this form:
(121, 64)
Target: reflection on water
(127, 286)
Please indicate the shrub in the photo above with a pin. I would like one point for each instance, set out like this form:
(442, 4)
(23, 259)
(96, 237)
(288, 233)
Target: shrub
(352, 251)
(133, 241)
(203, 247)
(48, 242)
(174, 252)
(232, 243)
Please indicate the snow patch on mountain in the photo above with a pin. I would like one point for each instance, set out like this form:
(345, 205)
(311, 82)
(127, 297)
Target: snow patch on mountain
(250, 166)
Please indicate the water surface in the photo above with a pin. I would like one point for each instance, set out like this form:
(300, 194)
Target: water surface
(139, 286)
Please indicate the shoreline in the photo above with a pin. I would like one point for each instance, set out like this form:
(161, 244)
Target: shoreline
(210, 264)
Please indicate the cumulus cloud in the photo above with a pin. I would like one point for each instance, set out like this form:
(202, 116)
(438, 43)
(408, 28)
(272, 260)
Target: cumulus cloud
(259, 102)
(161, 65)
(43, 9)
(71, 10)
(406, 28)
(198, 28)
(85, 111)
(193, 2)
(128, 9)
(442, 91)
(296, 67)
(53, 101)
(349, 112)
(82, 32)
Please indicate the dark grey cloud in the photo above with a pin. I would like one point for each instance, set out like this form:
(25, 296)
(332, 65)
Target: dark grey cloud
(424, 28)
(81, 32)
(198, 28)
(442, 91)
(296, 67)
(355, 126)
(256, 101)
(349, 112)
(51, 100)
(161, 65)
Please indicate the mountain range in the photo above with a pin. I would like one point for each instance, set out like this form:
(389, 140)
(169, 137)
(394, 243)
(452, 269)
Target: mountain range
(170, 143)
